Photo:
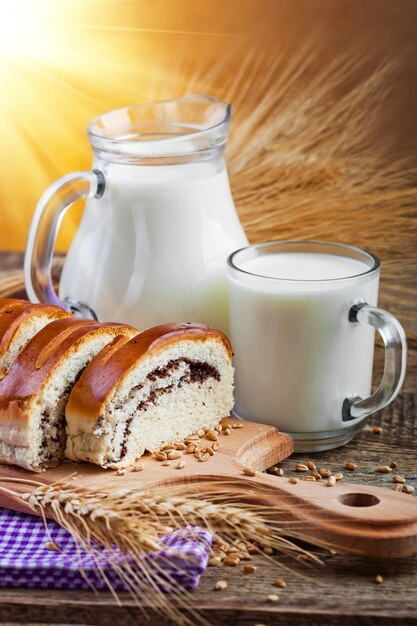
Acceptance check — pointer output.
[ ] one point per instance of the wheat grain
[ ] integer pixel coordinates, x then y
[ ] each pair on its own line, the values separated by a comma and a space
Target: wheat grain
300, 467
174, 455
350, 466
324, 472
249, 568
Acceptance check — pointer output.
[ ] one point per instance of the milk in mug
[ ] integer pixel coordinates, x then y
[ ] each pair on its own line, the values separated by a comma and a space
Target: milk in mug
297, 356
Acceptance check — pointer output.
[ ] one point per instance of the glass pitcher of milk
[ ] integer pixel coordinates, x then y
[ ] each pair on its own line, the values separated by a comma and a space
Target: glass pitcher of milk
158, 224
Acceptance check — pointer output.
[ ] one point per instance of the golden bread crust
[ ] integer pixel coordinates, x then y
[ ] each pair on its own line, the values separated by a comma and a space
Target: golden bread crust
13, 312
42, 353
34, 365
103, 373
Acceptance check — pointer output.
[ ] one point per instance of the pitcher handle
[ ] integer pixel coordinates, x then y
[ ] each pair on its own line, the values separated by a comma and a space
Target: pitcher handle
395, 345
43, 231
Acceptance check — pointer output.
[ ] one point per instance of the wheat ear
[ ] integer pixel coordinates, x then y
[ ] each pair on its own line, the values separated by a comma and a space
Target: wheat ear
134, 522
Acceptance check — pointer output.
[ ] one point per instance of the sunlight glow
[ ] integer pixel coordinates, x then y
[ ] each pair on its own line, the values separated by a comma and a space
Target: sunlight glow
21, 29
63, 62
56, 73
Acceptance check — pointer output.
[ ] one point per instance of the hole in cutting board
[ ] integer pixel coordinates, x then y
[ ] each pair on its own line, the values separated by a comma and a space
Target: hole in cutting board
359, 499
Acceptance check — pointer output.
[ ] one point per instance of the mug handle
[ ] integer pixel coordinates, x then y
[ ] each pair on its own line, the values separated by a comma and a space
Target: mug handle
43, 231
395, 344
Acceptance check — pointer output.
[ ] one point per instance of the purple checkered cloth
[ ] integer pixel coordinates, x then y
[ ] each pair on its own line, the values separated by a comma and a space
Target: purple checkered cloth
26, 562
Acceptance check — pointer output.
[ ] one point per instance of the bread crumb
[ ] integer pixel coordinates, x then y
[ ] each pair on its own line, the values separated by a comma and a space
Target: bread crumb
273, 597
220, 585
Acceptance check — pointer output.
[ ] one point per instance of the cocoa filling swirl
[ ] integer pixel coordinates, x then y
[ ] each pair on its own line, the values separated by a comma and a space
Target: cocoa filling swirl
197, 372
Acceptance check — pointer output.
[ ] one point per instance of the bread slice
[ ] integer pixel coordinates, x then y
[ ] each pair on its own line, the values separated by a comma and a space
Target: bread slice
20, 321
35, 391
157, 388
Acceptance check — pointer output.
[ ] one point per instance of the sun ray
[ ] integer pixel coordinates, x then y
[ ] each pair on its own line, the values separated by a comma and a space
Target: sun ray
153, 31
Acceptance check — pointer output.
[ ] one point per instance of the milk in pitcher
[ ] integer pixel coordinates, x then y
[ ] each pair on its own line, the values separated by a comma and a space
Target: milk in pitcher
154, 247
159, 221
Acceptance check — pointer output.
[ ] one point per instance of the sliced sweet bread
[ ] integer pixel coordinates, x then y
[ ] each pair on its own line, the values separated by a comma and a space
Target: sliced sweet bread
20, 321
35, 391
138, 394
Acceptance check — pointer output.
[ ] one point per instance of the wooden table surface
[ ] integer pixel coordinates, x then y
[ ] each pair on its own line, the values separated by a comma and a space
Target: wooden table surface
342, 592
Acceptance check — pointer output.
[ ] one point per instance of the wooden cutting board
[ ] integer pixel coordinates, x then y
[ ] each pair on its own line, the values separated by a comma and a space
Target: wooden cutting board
371, 521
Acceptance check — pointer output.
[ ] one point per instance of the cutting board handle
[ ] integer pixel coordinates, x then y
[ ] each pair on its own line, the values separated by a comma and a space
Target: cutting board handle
359, 519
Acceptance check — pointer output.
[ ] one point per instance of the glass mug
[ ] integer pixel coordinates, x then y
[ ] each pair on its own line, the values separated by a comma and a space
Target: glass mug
303, 316
159, 221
